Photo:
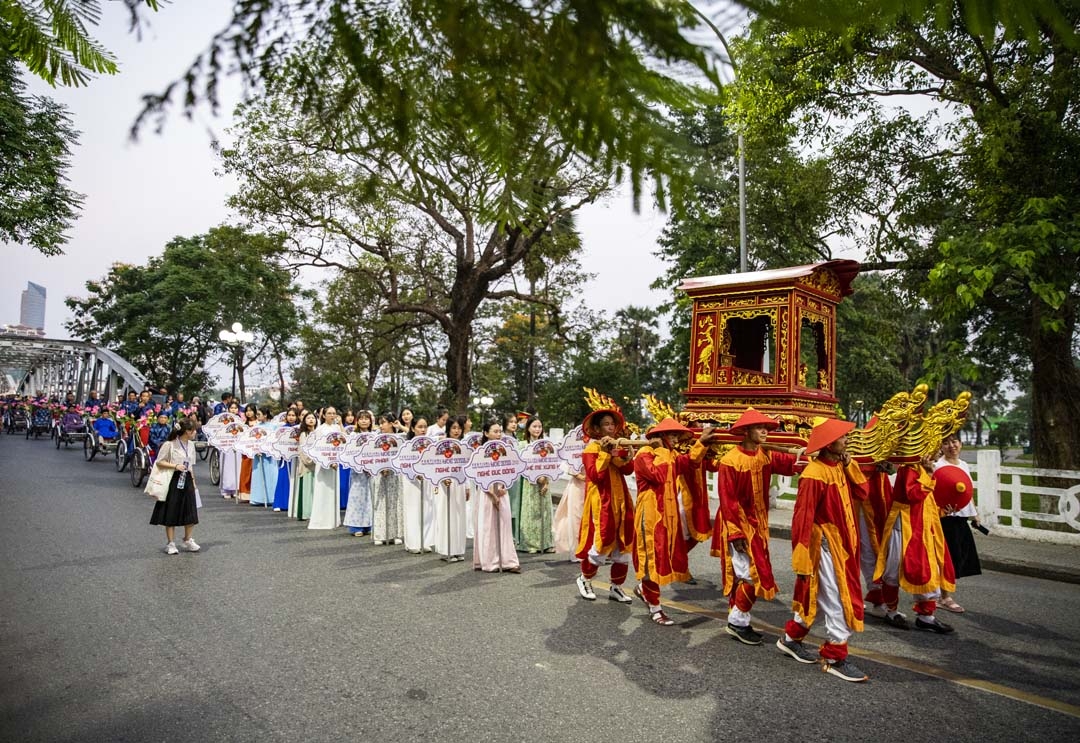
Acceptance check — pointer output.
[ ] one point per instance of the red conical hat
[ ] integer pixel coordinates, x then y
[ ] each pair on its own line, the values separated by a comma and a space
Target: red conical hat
668, 425
826, 432
753, 418
620, 422
952, 486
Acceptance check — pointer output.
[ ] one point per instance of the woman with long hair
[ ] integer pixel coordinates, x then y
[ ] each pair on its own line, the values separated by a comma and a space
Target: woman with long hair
263, 469
243, 491
179, 507
325, 499
345, 472
283, 488
304, 474
535, 532
416, 495
388, 526
493, 546
230, 463
510, 428
358, 513
403, 421
450, 498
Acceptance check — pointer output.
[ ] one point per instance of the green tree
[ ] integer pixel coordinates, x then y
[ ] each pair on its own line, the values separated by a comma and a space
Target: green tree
981, 190
437, 225
36, 136
352, 343
165, 316
52, 38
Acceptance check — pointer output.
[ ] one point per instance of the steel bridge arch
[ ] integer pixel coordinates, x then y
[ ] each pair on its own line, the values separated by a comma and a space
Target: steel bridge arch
29, 365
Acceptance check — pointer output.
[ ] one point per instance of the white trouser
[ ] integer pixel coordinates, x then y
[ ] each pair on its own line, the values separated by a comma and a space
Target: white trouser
891, 576
828, 600
740, 564
617, 555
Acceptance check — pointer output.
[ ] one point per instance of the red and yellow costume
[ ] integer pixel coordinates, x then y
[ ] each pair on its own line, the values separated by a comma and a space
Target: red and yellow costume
872, 507
660, 550
694, 502
825, 527
913, 554
825, 546
743, 486
607, 519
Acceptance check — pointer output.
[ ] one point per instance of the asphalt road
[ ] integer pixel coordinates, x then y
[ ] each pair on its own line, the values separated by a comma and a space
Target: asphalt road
277, 633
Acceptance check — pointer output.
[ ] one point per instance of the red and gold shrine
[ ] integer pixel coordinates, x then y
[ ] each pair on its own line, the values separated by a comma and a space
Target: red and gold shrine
766, 339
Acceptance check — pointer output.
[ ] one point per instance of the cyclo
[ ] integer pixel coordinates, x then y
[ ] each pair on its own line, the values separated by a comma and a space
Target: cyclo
73, 427
103, 437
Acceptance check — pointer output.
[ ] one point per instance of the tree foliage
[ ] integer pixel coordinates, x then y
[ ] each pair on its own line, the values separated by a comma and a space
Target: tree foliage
52, 37
36, 136
165, 317
981, 190
438, 226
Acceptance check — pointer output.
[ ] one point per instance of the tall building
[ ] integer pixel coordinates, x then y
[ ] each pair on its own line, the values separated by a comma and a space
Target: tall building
32, 309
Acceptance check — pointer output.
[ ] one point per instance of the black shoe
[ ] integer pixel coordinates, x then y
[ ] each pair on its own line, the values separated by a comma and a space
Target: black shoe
798, 651
845, 670
746, 635
932, 626
897, 620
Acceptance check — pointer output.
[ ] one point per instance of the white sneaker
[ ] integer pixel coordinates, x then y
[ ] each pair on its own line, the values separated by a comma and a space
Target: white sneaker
878, 610
616, 594
584, 587
189, 545
170, 549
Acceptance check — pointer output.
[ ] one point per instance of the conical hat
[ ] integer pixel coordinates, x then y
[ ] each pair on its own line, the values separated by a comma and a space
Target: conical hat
587, 424
753, 418
668, 425
826, 431
952, 486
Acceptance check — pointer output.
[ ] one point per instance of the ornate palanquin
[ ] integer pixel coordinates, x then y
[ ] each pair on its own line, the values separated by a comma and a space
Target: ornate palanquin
766, 339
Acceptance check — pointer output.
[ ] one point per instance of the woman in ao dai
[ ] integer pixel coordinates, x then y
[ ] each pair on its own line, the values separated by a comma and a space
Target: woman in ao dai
534, 519
389, 522
345, 472
358, 514
263, 468
325, 496
567, 522
493, 545
418, 503
243, 491
283, 488
450, 500
230, 464
304, 474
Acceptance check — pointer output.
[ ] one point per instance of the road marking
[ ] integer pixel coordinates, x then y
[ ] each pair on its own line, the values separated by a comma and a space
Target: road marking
897, 662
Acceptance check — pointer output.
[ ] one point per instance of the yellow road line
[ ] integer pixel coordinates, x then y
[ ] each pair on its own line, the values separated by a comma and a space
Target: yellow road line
898, 662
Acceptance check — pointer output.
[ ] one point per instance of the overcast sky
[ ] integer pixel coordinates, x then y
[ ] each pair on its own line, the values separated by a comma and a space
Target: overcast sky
140, 195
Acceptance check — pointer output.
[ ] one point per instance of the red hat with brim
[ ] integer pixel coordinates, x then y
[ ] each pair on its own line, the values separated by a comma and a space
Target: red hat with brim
587, 424
952, 486
753, 418
668, 425
827, 432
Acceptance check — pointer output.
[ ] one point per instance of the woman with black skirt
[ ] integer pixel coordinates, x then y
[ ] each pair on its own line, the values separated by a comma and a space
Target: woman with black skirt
178, 508
955, 526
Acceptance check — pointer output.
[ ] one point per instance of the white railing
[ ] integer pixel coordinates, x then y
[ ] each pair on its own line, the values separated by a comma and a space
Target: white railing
993, 481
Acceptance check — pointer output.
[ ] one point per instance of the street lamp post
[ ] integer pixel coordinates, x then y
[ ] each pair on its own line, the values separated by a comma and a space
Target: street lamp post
235, 339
